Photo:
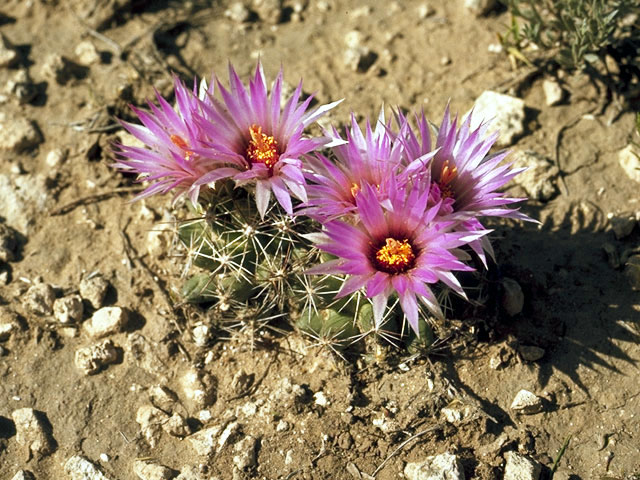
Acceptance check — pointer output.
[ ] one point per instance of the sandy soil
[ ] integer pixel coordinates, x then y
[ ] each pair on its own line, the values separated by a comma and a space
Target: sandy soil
303, 412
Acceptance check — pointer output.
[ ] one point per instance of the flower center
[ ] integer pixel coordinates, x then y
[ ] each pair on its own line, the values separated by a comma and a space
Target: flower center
262, 148
395, 256
180, 142
447, 176
355, 190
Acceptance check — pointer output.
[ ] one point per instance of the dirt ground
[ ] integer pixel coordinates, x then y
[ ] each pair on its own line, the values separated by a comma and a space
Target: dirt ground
295, 411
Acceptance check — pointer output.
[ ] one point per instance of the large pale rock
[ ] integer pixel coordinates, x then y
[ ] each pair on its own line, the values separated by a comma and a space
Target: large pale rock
505, 114
526, 403
151, 471
32, 433
79, 468
199, 387
106, 321
94, 289
8, 52
151, 421
629, 159
519, 467
92, 359
68, 309
439, 467
22, 197
39, 299
553, 92
539, 178
205, 442
23, 475
17, 133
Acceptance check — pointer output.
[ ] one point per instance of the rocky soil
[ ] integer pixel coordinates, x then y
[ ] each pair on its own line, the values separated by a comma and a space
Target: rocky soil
103, 376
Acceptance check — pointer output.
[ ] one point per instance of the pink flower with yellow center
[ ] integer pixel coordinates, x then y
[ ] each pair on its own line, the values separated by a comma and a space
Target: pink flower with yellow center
257, 142
463, 172
402, 249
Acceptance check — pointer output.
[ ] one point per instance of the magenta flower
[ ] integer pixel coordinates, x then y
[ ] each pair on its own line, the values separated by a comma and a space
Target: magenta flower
466, 176
256, 142
402, 249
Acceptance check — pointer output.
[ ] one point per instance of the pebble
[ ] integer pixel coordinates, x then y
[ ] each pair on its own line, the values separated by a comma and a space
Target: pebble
205, 442
94, 289
86, 53
8, 52
151, 471
22, 198
191, 472
56, 67
479, 7
17, 133
632, 271
8, 243
506, 114
269, 11
31, 431
520, 467
526, 403
163, 398
321, 399
539, 178
512, 297
242, 382
39, 299
353, 39
56, 157
92, 359
79, 468
623, 224
201, 335
151, 420
6, 328
199, 387
106, 321
629, 159
424, 10
531, 353
553, 92
246, 453
282, 426
238, 12
21, 87
177, 426
445, 466
23, 475
456, 412
68, 309
359, 59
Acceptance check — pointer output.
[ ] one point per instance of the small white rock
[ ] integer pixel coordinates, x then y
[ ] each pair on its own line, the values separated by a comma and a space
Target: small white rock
91, 359
31, 432
512, 297
8, 323
56, 67
439, 467
353, 39
228, 435
205, 442
246, 453
553, 92
151, 420
359, 59
17, 133
39, 299
282, 426
8, 52
424, 10
79, 468
94, 289
199, 387
106, 321
519, 467
539, 178
177, 426
505, 114
526, 403
629, 159
321, 399
151, 471
237, 12
23, 475
479, 7
68, 309
56, 157
87, 53
456, 412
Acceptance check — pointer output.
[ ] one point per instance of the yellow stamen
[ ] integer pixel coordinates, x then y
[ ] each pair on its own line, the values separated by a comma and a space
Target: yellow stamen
262, 148
395, 256
180, 142
355, 190
446, 177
